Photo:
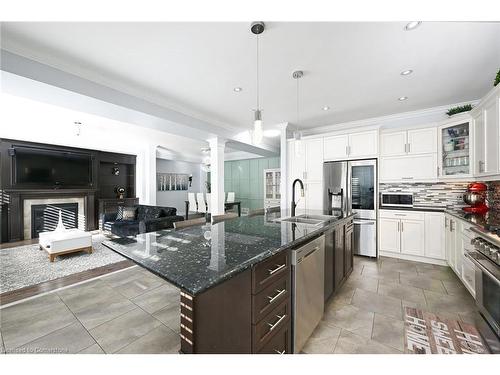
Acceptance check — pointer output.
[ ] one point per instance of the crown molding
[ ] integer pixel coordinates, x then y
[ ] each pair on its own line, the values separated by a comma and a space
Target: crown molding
432, 114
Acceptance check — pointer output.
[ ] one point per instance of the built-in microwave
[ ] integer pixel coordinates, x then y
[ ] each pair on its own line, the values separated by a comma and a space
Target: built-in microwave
396, 199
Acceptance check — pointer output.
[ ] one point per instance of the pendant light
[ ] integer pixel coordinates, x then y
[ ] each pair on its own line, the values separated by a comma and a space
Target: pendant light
257, 28
297, 135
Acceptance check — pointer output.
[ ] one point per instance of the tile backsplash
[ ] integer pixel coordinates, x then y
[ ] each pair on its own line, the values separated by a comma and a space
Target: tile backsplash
442, 194
494, 195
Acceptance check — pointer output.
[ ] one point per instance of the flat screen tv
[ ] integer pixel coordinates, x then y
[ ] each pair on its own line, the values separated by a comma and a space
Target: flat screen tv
50, 168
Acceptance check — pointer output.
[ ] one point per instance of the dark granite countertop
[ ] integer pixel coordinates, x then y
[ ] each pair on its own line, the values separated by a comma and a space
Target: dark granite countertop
489, 222
197, 258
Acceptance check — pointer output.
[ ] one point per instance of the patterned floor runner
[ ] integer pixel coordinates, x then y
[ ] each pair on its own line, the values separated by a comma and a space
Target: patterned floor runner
426, 333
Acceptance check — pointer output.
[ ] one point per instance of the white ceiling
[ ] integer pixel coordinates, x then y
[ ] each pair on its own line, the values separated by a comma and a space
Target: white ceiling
351, 67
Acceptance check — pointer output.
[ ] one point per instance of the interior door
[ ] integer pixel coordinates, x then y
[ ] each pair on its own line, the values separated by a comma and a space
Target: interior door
390, 239
412, 235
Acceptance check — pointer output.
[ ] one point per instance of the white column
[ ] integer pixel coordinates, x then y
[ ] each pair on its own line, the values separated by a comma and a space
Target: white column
284, 166
217, 198
150, 175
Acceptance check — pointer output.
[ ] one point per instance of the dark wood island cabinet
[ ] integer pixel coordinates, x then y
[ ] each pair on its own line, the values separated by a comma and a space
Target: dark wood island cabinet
235, 279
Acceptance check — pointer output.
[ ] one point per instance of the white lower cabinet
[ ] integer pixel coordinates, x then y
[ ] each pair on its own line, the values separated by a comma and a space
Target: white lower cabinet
412, 234
458, 238
412, 237
434, 235
389, 237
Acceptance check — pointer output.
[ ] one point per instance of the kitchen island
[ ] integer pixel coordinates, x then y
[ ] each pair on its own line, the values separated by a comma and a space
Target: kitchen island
234, 277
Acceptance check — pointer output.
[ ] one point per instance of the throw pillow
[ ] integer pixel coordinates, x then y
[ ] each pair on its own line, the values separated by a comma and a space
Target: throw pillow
128, 213
119, 213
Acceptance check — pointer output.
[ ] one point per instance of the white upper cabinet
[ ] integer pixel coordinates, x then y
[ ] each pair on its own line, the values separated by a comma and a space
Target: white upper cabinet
296, 160
408, 168
422, 141
455, 140
393, 144
351, 146
363, 144
408, 142
486, 142
336, 147
314, 159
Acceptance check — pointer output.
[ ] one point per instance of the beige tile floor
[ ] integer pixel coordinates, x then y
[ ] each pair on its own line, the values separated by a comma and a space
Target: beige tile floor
366, 316
133, 311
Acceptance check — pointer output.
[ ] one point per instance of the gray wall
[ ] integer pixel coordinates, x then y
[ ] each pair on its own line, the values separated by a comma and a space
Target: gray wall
176, 198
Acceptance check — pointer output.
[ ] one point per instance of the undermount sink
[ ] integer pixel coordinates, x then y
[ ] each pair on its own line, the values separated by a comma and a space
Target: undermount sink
308, 219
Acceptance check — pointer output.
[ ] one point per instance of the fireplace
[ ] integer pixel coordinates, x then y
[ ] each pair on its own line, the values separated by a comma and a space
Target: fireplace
42, 214
44, 217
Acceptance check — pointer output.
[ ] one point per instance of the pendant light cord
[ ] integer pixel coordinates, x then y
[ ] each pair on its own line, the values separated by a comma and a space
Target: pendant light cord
297, 104
258, 104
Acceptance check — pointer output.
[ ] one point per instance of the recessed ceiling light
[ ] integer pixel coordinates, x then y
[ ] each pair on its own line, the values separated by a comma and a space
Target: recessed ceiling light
326, 108
402, 98
412, 25
237, 89
271, 133
406, 72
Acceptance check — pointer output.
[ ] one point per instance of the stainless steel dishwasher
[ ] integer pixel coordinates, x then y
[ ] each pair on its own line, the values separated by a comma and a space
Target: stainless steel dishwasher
308, 283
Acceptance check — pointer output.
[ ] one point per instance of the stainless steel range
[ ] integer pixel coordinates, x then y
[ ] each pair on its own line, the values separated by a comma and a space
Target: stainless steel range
486, 258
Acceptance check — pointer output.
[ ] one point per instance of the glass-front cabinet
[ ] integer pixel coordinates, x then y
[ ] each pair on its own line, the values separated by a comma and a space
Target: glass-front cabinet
455, 149
272, 182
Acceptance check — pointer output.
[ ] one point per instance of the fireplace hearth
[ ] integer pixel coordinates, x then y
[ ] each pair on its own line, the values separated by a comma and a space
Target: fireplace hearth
44, 217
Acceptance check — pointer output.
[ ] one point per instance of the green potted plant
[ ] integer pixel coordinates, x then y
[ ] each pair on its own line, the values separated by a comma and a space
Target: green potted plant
497, 79
459, 109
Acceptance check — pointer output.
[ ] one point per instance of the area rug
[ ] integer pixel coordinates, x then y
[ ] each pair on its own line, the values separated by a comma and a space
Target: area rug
28, 265
426, 333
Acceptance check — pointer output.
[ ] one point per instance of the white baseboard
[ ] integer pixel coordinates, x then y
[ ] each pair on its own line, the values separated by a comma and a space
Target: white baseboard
414, 258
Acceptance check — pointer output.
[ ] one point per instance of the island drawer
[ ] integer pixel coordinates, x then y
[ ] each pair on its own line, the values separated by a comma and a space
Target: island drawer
270, 270
270, 297
280, 343
266, 329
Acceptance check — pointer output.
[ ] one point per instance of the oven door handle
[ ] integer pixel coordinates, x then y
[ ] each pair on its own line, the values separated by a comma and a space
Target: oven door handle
483, 268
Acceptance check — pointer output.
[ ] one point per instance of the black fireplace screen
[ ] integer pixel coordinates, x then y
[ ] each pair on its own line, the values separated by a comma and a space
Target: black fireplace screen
44, 217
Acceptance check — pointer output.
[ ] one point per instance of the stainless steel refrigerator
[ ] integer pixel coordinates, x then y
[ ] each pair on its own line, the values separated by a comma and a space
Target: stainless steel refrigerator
351, 187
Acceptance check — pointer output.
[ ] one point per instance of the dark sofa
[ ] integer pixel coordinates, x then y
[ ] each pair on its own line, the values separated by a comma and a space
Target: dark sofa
146, 219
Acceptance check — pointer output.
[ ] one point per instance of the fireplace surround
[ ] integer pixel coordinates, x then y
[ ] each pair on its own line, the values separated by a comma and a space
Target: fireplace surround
16, 197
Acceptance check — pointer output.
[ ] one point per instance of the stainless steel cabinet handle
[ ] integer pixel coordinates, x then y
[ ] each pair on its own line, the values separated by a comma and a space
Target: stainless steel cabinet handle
402, 230
409, 147
280, 351
407, 178
278, 268
276, 296
347, 150
274, 325
398, 226
399, 214
364, 222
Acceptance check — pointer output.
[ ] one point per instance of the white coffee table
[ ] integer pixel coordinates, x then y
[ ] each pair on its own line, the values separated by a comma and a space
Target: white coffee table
65, 242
